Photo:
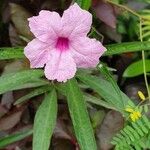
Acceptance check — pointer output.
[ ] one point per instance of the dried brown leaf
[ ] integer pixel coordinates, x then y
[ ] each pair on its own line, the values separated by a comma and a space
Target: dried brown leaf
112, 123
106, 13
19, 16
61, 131
7, 99
3, 110
8, 122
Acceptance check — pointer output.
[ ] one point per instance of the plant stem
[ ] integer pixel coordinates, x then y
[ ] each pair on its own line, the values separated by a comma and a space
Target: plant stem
123, 7
127, 9
141, 18
143, 59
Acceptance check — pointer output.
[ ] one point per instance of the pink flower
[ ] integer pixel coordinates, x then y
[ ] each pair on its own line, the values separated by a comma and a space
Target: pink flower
61, 43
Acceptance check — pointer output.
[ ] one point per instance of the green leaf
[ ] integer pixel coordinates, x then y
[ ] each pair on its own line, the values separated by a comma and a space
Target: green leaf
31, 84
11, 80
14, 138
11, 53
32, 94
136, 68
84, 4
105, 90
114, 49
109, 77
44, 123
88, 98
79, 116
98, 101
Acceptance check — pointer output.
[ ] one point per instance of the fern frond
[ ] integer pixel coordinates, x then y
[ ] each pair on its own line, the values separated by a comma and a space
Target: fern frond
145, 24
131, 136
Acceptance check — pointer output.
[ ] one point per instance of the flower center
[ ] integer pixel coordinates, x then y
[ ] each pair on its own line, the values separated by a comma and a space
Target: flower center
62, 43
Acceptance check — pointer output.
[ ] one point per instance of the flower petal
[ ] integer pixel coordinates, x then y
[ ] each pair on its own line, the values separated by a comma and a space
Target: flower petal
76, 22
86, 52
37, 52
46, 25
60, 67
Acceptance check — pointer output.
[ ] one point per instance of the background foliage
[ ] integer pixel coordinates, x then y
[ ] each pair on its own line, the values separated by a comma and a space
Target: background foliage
90, 110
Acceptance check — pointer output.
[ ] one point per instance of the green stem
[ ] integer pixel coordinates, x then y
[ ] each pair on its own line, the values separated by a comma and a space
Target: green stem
128, 9
124, 7
141, 18
143, 59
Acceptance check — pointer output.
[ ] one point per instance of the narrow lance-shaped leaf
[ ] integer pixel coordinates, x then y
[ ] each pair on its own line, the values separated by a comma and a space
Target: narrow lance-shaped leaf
105, 90
98, 101
44, 123
127, 47
14, 138
32, 94
11, 80
88, 98
109, 77
79, 116
31, 84
136, 68
112, 49
11, 53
